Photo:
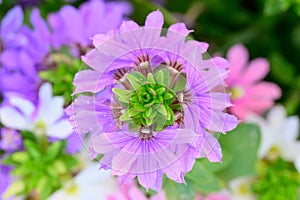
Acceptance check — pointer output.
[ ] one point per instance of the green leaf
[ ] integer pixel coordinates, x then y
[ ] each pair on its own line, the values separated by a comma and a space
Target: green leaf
178, 191
20, 156
60, 167
217, 166
242, 143
55, 149
51, 171
120, 92
139, 107
150, 78
8, 161
126, 116
136, 79
44, 187
202, 179
179, 83
273, 7
26, 168
68, 160
163, 77
162, 109
33, 149
14, 189
282, 70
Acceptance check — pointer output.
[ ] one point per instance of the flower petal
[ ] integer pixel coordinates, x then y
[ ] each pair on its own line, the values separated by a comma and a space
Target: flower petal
60, 130
24, 105
179, 28
256, 70
154, 19
238, 57
12, 21
11, 118
50, 109
91, 81
211, 148
290, 129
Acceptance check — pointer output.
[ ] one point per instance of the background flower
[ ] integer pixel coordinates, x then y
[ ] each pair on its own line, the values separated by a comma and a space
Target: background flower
45, 118
74, 27
249, 93
23, 52
279, 135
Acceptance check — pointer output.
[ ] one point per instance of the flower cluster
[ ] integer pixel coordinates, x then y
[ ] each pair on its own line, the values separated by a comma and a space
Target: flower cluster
149, 106
155, 99
35, 133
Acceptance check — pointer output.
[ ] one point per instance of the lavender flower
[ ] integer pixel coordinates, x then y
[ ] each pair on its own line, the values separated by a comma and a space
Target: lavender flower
45, 118
5, 178
73, 28
22, 52
10, 140
155, 99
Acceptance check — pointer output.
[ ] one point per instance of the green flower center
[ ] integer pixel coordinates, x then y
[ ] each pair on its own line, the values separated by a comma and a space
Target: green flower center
151, 103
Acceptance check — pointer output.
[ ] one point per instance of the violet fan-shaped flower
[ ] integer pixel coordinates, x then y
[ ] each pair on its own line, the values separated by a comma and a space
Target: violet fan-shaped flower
155, 102
22, 54
73, 27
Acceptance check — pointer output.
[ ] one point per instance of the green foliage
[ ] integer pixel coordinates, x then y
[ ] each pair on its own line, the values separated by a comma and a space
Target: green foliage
242, 144
61, 78
43, 168
273, 7
178, 191
203, 179
277, 180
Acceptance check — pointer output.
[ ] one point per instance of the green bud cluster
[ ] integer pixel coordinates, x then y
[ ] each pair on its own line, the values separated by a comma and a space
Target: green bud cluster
150, 103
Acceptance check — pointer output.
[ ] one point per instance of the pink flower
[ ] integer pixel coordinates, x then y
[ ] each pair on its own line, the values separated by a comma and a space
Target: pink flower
130, 191
249, 93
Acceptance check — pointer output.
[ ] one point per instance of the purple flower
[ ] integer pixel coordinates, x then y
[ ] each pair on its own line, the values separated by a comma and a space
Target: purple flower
11, 140
155, 100
23, 52
73, 28
4, 178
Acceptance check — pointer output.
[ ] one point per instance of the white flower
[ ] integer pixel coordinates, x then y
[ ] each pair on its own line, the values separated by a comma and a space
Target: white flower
44, 118
89, 184
279, 135
241, 189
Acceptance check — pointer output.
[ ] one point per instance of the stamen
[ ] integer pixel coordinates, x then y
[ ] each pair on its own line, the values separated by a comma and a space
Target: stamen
146, 133
179, 119
117, 111
120, 76
187, 96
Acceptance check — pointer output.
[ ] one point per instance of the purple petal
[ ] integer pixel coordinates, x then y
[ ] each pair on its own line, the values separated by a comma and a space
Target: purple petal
179, 28
74, 143
12, 21
147, 180
211, 148
91, 81
154, 19
128, 26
